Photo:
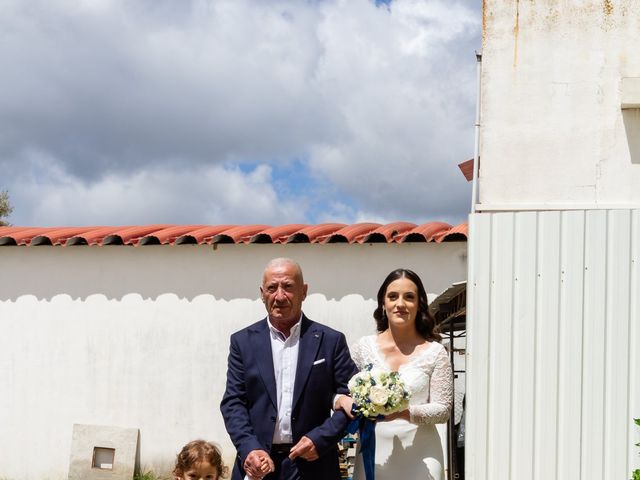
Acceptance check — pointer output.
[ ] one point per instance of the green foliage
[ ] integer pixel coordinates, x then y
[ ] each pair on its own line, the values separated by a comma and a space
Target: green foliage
148, 475
5, 207
636, 473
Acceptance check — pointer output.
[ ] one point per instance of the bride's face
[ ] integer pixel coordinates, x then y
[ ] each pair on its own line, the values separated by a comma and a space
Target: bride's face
401, 302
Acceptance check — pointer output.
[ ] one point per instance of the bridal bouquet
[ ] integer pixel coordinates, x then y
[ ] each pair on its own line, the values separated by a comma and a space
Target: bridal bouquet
376, 392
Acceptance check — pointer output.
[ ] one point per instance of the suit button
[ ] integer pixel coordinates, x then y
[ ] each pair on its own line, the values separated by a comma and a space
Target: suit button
273, 419
293, 419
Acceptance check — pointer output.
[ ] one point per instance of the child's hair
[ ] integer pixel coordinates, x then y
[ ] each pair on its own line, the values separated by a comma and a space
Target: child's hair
199, 451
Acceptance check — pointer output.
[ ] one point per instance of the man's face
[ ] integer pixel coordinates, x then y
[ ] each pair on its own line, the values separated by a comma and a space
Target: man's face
282, 292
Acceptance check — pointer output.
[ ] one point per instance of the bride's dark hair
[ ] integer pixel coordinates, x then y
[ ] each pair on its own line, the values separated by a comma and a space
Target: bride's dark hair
425, 323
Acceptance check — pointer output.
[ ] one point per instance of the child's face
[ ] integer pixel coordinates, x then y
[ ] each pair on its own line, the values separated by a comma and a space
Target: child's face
201, 471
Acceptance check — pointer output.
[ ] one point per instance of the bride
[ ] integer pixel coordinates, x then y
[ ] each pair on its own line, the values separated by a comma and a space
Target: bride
407, 442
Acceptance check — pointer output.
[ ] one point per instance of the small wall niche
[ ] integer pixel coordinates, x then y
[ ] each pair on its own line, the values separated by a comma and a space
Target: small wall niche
101, 452
103, 458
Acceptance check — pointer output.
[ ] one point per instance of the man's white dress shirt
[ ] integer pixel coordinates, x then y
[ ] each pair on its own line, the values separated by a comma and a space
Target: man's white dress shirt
285, 363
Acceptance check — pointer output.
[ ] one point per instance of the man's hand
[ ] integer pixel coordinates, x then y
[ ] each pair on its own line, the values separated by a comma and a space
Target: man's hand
258, 463
344, 403
304, 449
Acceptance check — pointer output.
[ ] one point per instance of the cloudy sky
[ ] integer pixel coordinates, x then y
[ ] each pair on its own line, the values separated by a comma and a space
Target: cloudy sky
115, 112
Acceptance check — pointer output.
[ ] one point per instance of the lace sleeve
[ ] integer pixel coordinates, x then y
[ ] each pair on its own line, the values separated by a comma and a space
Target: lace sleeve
358, 354
440, 392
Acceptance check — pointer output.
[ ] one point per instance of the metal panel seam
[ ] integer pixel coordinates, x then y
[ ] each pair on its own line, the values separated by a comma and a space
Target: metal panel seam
513, 289
489, 317
536, 346
559, 337
607, 282
584, 250
633, 333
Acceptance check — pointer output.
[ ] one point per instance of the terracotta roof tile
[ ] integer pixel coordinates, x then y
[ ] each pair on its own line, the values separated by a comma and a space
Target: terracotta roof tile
131, 235
389, 232
21, 235
91, 236
58, 236
314, 233
162, 234
168, 235
425, 232
202, 235
351, 233
276, 234
466, 168
238, 234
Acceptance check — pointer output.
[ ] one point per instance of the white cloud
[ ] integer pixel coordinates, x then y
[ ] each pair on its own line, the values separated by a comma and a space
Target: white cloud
408, 108
205, 194
117, 95
226, 79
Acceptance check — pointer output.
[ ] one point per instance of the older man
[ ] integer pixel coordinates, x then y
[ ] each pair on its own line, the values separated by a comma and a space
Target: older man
282, 375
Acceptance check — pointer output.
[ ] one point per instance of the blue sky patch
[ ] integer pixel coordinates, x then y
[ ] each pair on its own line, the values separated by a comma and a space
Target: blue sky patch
292, 180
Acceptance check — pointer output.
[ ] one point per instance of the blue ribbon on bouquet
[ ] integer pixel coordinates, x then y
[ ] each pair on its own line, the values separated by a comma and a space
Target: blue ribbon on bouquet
366, 429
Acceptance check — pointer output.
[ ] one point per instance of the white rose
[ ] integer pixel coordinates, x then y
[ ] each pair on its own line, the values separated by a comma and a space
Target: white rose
352, 384
378, 395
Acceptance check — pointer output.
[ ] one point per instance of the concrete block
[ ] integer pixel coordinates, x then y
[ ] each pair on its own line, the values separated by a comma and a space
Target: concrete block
630, 92
102, 453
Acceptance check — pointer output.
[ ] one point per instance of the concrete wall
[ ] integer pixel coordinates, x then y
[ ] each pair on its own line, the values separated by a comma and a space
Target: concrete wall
553, 132
138, 337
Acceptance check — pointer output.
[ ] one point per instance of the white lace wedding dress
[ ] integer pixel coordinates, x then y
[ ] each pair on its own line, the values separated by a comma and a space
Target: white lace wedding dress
411, 450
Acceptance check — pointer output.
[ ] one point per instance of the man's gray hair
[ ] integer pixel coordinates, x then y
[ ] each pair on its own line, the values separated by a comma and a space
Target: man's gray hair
276, 262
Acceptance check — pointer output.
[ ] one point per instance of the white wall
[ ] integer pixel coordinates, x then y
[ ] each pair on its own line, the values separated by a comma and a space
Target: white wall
138, 336
553, 132
553, 379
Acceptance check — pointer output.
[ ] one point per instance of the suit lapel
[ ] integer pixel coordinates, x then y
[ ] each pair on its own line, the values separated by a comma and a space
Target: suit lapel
310, 339
261, 341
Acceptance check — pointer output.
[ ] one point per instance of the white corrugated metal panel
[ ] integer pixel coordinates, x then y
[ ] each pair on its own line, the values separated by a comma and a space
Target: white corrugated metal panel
553, 345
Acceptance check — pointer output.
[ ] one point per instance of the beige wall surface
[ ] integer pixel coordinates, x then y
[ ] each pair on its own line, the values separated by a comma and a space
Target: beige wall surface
137, 337
554, 77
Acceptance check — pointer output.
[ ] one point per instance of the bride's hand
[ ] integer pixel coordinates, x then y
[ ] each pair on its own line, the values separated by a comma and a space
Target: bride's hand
345, 403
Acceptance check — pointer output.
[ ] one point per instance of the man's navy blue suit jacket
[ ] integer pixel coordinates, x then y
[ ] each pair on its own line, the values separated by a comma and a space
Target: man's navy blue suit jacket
249, 404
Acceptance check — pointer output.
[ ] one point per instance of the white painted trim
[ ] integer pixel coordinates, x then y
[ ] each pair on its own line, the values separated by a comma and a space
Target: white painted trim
516, 207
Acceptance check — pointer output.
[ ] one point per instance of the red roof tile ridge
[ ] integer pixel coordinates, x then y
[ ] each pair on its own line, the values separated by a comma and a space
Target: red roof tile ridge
205, 233
280, 234
4, 229
242, 233
427, 230
171, 233
461, 229
318, 233
60, 235
132, 235
323, 227
364, 232
391, 230
357, 231
93, 236
27, 234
